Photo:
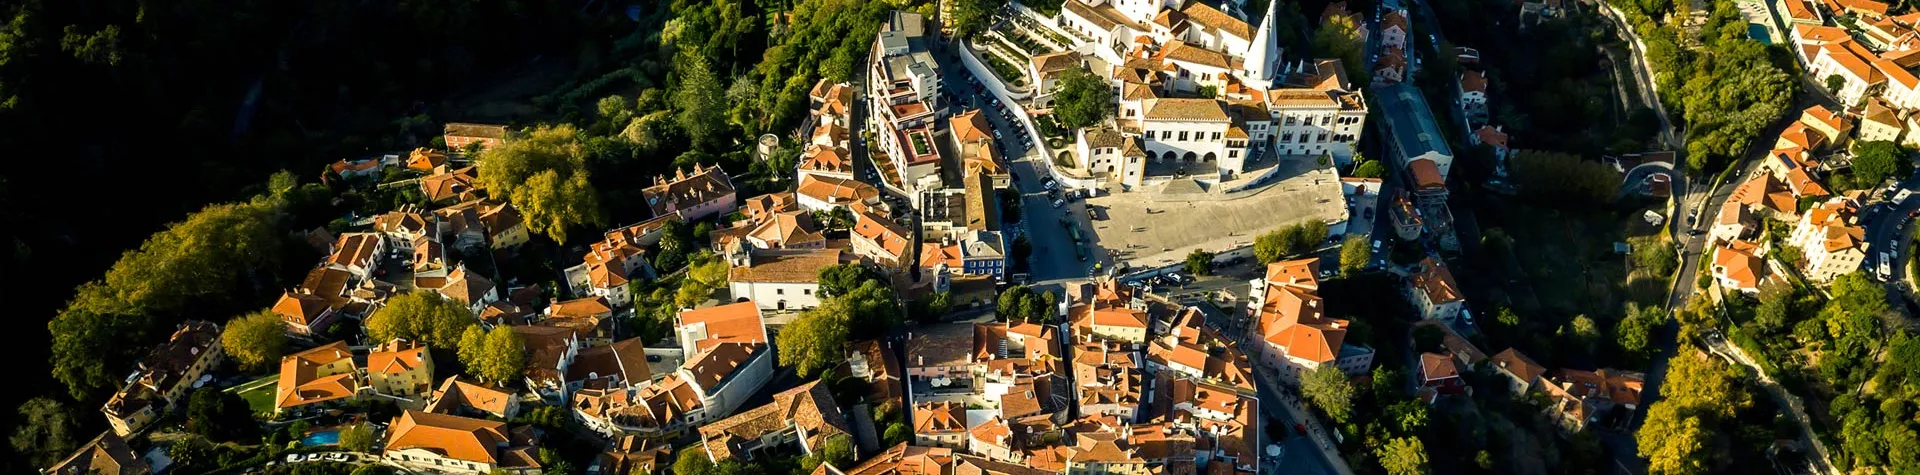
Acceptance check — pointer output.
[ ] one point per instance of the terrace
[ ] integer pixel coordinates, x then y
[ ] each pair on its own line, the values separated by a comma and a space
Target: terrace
920, 144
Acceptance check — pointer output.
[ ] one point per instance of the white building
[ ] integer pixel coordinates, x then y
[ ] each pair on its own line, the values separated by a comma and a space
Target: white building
1435, 293
779, 279
1830, 241
725, 375
1193, 130
1322, 115
903, 94
1107, 152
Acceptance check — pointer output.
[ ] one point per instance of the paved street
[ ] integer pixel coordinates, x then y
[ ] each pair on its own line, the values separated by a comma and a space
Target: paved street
1887, 224
1053, 249
1312, 454
1301, 455
1620, 444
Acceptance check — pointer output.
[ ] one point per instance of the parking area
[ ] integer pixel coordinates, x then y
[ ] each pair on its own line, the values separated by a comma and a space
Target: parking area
664, 361
328, 457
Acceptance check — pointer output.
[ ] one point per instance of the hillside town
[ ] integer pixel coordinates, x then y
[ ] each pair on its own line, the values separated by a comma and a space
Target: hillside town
1069, 237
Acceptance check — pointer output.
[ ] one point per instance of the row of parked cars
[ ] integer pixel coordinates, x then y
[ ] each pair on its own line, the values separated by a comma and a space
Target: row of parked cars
319, 457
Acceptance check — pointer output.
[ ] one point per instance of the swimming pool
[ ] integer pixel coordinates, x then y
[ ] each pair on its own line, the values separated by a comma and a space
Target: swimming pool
325, 437
1759, 33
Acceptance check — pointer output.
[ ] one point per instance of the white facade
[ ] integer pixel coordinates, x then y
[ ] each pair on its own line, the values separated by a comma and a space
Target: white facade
778, 295
1830, 245
1316, 130
431, 461
1112, 153
747, 379
1193, 141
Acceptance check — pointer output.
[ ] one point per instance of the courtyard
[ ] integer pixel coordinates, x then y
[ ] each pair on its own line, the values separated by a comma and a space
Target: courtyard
1159, 224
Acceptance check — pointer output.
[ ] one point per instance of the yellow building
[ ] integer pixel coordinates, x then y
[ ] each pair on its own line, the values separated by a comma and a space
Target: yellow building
1114, 314
401, 369
165, 376
317, 378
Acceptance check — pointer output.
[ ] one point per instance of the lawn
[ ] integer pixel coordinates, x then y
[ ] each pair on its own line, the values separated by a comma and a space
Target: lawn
258, 393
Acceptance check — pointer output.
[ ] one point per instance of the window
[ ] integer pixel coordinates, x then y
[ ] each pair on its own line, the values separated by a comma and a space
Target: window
1129, 112
779, 291
1286, 138
1216, 136
1323, 137
1134, 160
1233, 154
1183, 136
1289, 121
1326, 120
1166, 134
806, 291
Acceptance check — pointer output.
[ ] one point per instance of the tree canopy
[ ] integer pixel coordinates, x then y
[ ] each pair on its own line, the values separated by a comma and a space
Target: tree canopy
1874, 162
1199, 262
544, 173
216, 258
420, 316
220, 416
1564, 178
972, 16
1677, 437
1370, 169
1339, 37
1354, 255
501, 356
698, 102
1083, 100
1022, 303
1403, 456
46, 431
1291, 240
816, 339
255, 341
1329, 389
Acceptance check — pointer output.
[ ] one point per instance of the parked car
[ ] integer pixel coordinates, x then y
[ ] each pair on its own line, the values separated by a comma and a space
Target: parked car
336, 457
1050, 184
1058, 203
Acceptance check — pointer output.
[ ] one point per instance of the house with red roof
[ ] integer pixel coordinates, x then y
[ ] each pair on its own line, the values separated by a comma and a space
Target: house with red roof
1522, 373
1293, 332
401, 369
428, 442
1439, 372
1830, 239
1435, 293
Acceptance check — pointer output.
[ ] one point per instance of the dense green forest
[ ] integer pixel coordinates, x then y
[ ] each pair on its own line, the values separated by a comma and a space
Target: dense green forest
124, 116
121, 115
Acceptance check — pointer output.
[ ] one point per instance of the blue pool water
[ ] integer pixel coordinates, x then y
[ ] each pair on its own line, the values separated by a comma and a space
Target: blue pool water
325, 437
1759, 33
